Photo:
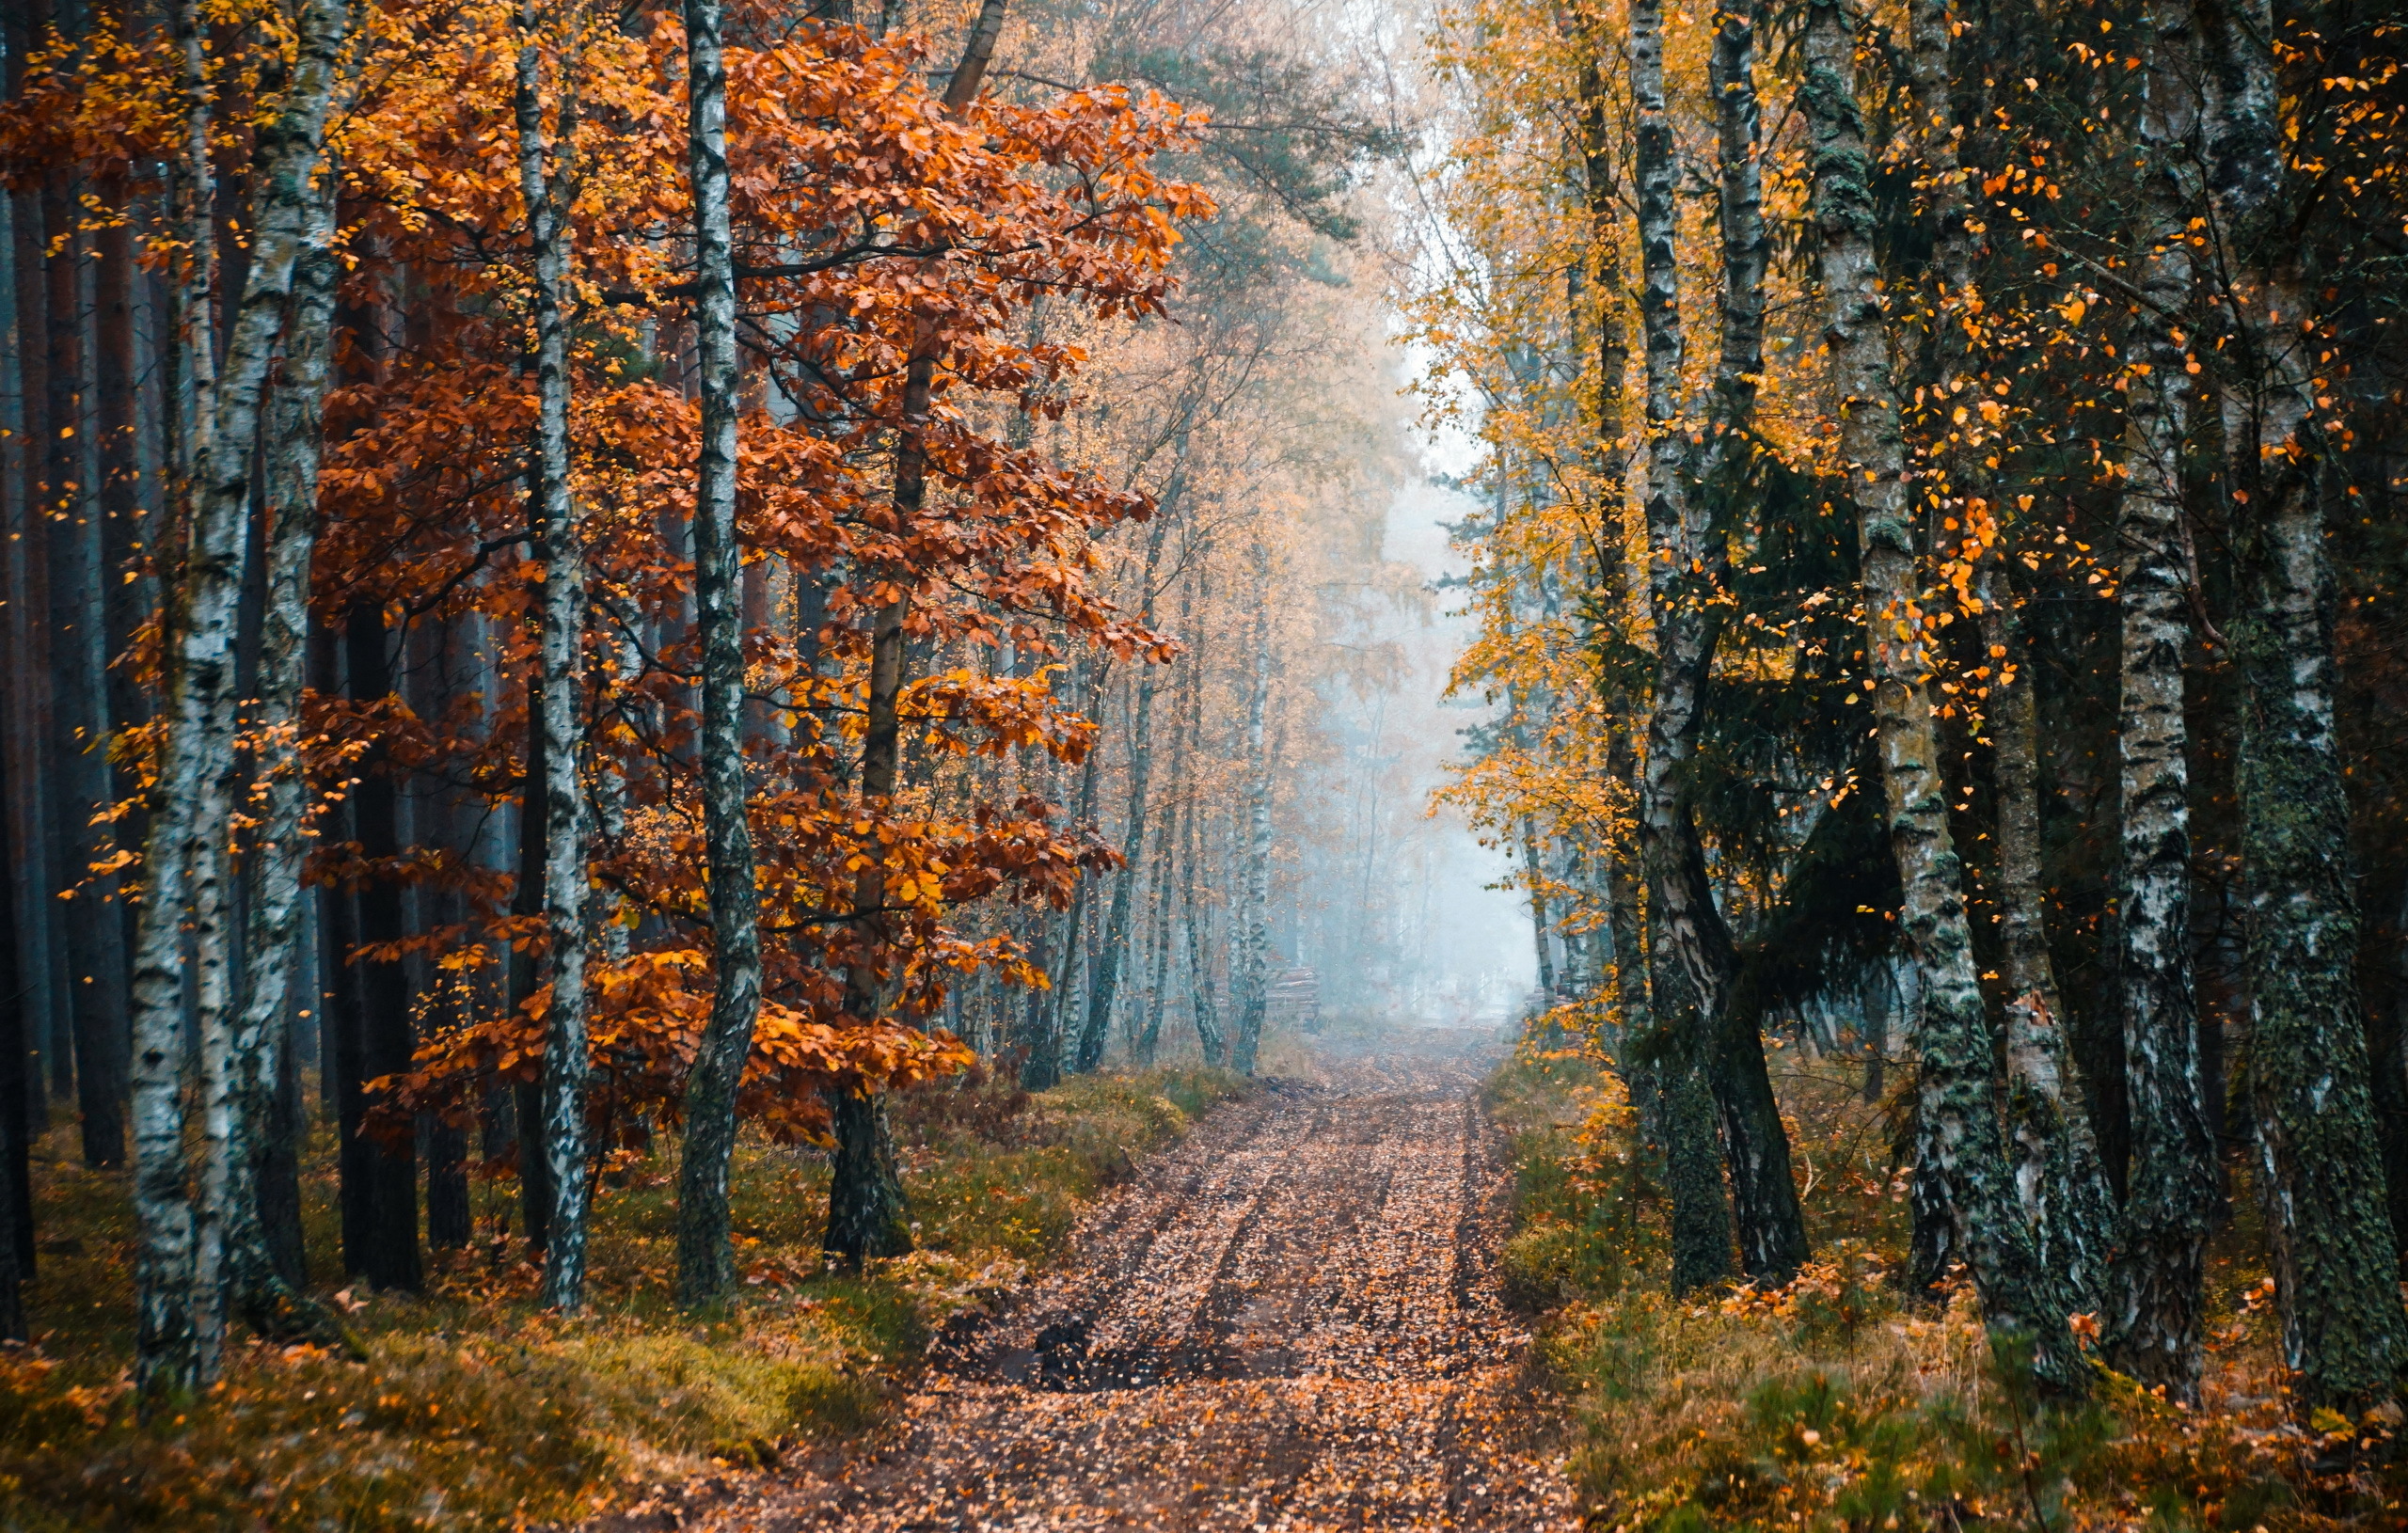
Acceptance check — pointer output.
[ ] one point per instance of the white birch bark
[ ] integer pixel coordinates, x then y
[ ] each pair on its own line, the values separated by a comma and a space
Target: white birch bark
179, 1268
706, 1263
1960, 1118
271, 947
560, 545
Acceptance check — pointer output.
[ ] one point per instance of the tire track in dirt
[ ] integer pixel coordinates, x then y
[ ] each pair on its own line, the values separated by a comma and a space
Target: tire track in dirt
1290, 1321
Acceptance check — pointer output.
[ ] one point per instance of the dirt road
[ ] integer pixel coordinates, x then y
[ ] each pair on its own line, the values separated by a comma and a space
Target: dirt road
1290, 1321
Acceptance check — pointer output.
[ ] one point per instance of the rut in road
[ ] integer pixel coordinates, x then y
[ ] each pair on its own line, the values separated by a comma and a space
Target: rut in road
1290, 1321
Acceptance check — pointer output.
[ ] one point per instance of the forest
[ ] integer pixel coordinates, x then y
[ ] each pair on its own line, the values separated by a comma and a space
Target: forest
1481, 765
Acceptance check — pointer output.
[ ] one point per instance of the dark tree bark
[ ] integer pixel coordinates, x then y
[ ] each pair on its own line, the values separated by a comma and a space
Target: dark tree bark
389, 1253
88, 1003
13, 1060
2329, 1228
866, 1212
27, 722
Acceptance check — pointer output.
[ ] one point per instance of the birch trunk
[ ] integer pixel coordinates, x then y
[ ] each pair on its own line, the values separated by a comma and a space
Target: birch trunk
2060, 1179
1959, 1117
1163, 887
559, 546
1612, 467
2321, 1175
706, 1263
1253, 981
1755, 1143
1116, 923
178, 1268
257, 1289
2170, 1193
529, 899
1685, 983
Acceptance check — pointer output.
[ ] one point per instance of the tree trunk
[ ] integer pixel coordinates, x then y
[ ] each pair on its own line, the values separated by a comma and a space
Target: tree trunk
561, 548
2321, 1160
259, 1287
178, 1268
127, 530
27, 719
1116, 925
13, 1059
866, 1214
706, 1263
1685, 983
388, 1251
1253, 980
1954, 1092
2329, 1228
87, 955
2059, 1177
2170, 1192
527, 900
1542, 923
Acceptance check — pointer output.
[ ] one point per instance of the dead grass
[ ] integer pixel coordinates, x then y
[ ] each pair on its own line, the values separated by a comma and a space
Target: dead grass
478, 1410
1830, 1404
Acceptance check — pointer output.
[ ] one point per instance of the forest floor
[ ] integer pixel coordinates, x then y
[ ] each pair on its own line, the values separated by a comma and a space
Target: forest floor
1834, 1404
475, 1408
1294, 1319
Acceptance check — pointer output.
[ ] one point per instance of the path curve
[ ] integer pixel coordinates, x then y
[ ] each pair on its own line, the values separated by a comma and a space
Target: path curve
1290, 1321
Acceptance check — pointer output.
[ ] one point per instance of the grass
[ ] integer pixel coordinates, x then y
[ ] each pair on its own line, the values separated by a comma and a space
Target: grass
477, 1409
1830, 1404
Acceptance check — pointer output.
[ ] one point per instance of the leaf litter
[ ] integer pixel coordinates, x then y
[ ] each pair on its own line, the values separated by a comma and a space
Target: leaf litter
1292, 1321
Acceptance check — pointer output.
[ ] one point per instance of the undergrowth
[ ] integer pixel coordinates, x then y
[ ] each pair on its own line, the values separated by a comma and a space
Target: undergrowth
1834, 1404
477, 1409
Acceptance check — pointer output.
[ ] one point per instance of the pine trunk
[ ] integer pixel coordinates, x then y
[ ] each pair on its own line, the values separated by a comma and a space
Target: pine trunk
127, 530
1955, 1095
26, 718
560, 547
706, 1263
89, 956
389, 1253
13, 1060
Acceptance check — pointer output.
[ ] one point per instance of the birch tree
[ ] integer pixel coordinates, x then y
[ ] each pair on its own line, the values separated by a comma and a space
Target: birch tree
1953, 1036
181, 1247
